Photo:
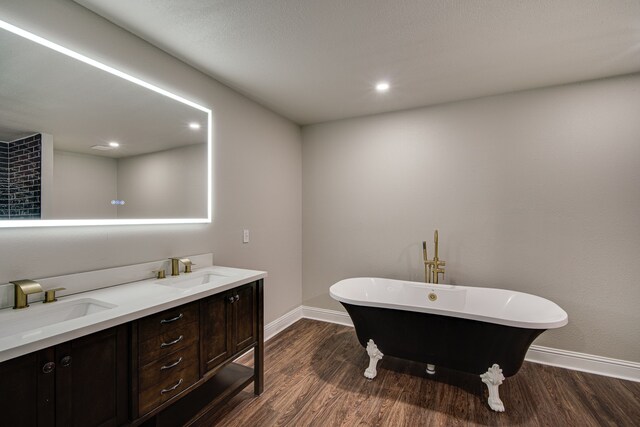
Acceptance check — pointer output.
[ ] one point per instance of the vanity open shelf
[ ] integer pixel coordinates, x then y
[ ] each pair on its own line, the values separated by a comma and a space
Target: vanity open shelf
214, 392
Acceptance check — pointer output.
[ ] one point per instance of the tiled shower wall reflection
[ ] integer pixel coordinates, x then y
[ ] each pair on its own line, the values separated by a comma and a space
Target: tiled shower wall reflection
20, 178
4, 180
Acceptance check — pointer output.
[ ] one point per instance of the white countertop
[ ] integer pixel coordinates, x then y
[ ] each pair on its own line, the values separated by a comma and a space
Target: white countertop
118, 304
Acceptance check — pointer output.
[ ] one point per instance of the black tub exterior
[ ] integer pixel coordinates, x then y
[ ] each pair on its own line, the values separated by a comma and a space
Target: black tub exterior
461, 344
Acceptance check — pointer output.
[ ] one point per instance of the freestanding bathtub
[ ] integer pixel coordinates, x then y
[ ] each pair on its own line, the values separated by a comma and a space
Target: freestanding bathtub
482, 331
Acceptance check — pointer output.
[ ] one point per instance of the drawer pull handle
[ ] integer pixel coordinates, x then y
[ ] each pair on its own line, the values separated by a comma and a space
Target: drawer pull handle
167, 390
170, 343
173, 365
178, 317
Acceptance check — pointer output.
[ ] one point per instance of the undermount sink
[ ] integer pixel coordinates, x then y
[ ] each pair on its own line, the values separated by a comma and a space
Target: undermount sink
29, 321
192, 280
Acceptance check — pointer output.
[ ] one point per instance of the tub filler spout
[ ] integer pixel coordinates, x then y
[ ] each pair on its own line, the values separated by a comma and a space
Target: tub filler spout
435, 267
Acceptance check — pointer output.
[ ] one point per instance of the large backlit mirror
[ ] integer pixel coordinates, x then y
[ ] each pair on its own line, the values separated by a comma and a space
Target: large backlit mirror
84, 144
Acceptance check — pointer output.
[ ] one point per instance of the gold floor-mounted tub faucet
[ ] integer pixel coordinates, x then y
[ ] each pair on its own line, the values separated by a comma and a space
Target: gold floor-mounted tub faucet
432, 268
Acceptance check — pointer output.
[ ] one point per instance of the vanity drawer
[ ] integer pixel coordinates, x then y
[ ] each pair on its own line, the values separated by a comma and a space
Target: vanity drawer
162, 370
166, 321
159, 346
156, 389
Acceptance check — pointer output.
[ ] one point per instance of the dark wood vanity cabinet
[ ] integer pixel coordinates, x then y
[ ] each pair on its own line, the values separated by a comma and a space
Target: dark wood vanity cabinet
27, 394
168, 369
83, 382
228, 325
92, 379
216, 314
245, 311
201, 339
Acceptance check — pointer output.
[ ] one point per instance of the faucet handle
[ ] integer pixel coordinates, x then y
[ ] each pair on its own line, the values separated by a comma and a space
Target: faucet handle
187, 264
50, 295
160, 273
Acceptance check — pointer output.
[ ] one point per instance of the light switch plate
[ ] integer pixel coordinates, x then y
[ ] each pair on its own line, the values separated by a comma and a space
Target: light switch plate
245, 236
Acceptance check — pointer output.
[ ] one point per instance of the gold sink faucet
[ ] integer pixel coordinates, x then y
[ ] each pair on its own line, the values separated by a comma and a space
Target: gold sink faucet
435, 267
175, 265
23, 288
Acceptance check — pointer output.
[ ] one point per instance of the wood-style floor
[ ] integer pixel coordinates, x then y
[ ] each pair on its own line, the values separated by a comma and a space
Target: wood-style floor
314, 377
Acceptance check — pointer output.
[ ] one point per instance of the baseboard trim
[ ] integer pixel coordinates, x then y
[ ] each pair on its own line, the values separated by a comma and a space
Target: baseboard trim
590, 363
573, 360
324, 315
282, 322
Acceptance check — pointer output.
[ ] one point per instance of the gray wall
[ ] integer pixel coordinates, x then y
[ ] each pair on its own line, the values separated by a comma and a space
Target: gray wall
164, 184
83, 186
256, 178
536, 191
46, 193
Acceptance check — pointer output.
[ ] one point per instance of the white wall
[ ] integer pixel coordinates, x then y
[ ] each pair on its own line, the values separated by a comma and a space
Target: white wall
164, 184
536, 191
256, 179
83, 186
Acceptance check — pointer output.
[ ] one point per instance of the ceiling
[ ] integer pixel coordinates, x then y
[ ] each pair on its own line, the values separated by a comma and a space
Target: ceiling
318, 60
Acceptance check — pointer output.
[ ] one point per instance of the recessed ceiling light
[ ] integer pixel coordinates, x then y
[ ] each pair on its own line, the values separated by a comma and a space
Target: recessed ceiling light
382, 86
102, 148
114, 144
194, 125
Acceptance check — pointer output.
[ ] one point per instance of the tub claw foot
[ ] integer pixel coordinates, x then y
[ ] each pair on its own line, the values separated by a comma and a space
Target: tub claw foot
493, 378
374, 356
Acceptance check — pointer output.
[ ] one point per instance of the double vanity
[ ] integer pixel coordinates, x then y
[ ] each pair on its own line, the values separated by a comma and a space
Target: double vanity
156, 352
113, 347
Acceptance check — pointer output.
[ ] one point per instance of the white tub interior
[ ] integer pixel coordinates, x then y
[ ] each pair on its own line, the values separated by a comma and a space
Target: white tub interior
498, 306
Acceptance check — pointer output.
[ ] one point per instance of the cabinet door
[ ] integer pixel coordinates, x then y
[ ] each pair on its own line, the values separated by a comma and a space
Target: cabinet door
215, 331
92, 379
244, 317
27, 390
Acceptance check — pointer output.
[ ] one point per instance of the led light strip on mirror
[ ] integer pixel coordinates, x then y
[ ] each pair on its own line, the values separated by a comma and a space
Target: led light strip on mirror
96, 64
